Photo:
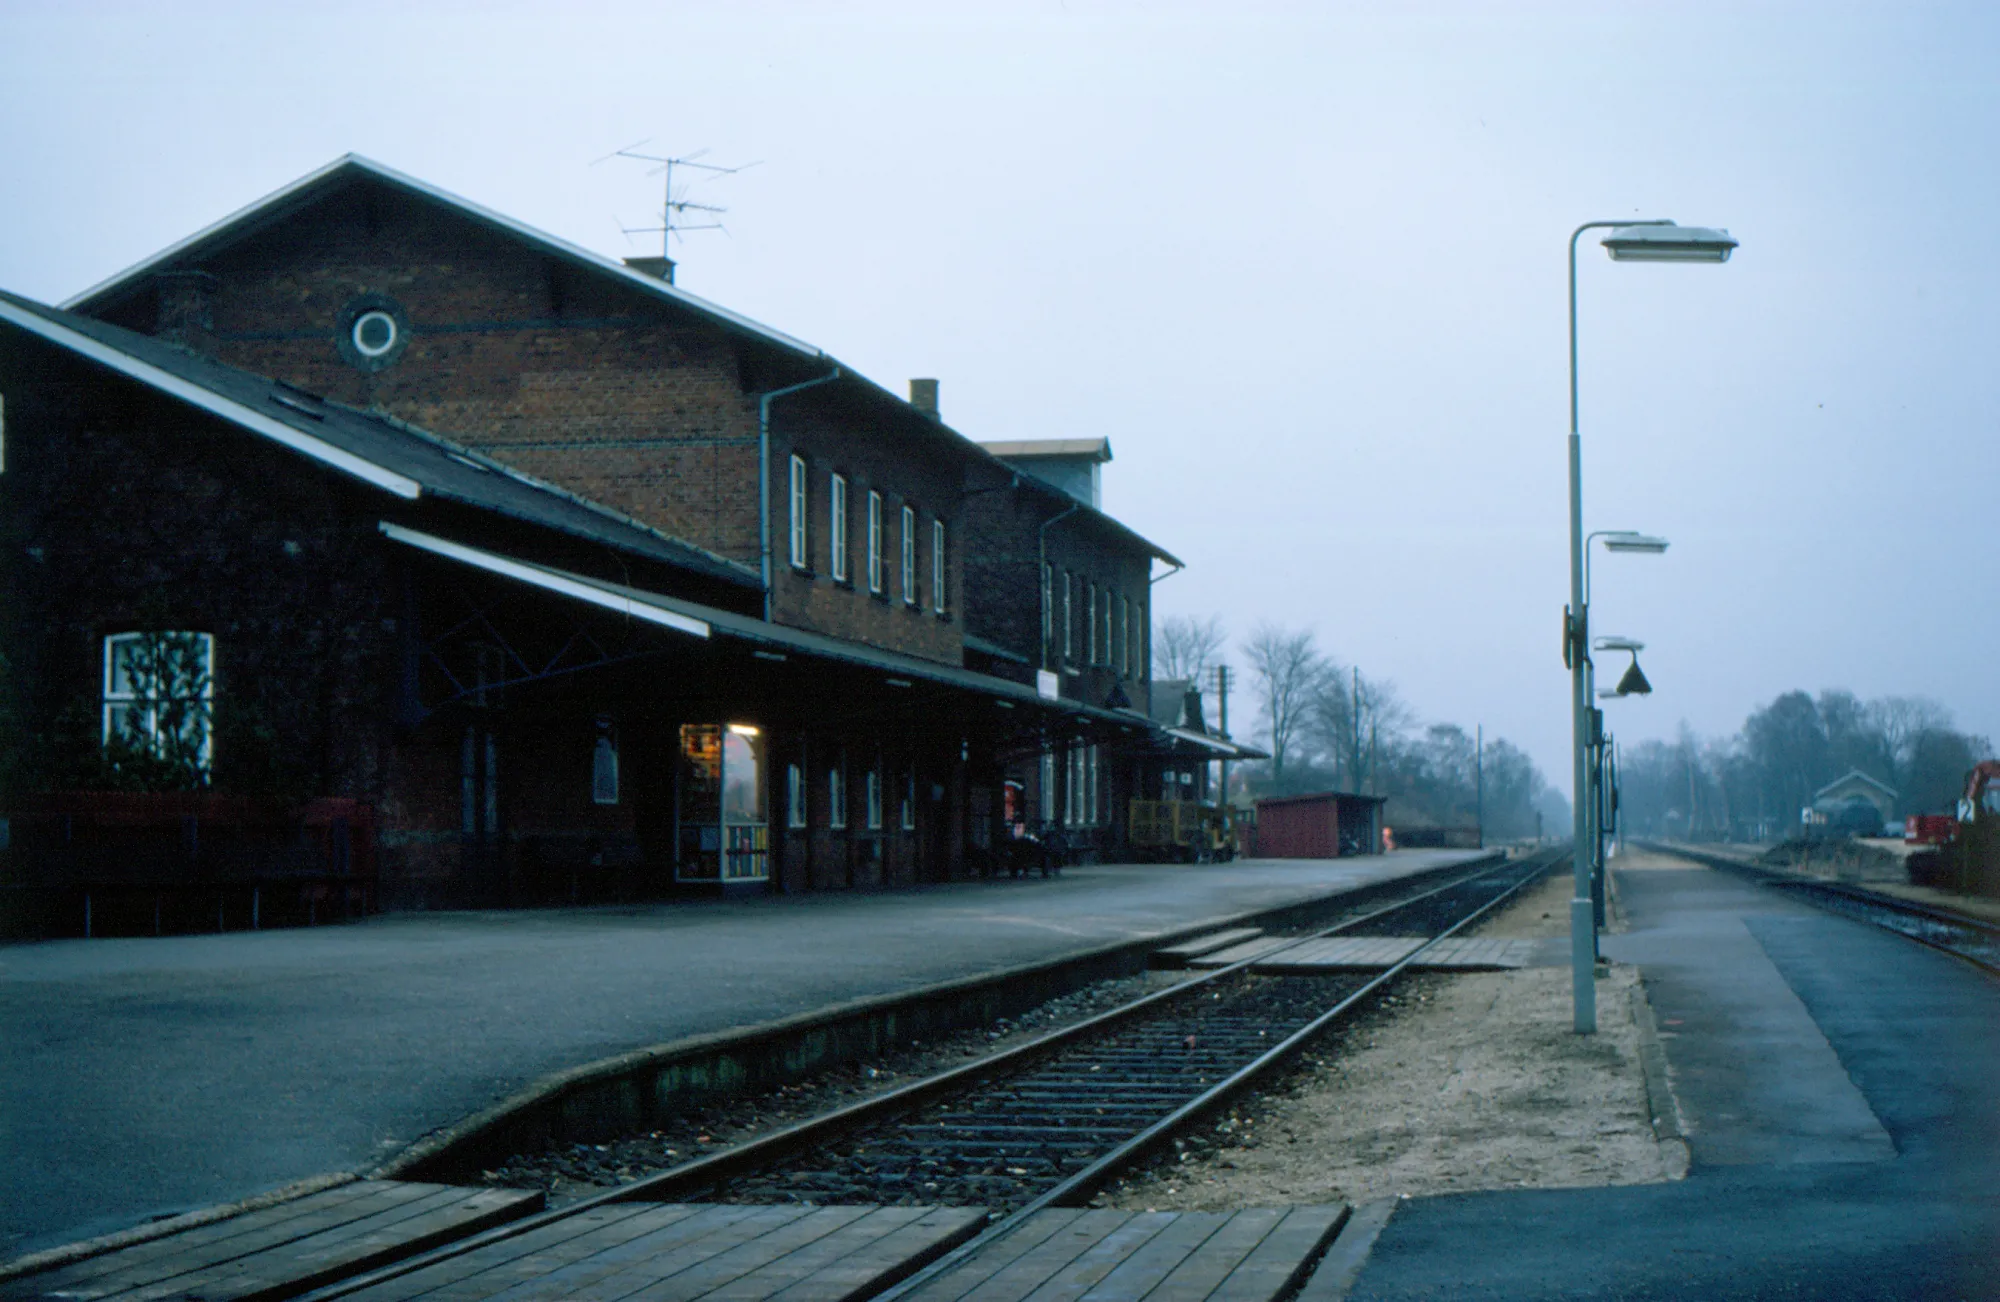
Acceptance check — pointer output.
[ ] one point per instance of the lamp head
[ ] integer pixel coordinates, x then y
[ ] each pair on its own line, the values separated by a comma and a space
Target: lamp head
1634, 682
1669, 243
1642, 543
1620, 644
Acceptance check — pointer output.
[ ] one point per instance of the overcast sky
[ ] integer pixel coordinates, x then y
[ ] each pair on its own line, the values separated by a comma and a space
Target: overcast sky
1304, 265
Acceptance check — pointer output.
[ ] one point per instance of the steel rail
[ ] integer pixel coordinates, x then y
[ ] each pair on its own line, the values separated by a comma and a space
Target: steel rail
1082, 1185
706, 1173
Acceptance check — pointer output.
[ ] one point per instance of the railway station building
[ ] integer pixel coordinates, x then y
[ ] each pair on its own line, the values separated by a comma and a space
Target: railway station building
457, 565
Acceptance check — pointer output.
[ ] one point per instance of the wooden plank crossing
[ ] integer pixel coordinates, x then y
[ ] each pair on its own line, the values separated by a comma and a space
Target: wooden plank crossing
1237, 953
792, 1252
283, 1250
1073, 1255
1350, 953
1178, 956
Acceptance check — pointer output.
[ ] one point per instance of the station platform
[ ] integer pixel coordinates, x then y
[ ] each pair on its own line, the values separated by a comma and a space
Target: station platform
145, 1078
1839, 1091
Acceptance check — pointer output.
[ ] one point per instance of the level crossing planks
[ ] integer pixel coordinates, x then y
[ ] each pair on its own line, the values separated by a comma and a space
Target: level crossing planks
1064, 1255
1364, 953
1178, 956
285, 1249
792, 1252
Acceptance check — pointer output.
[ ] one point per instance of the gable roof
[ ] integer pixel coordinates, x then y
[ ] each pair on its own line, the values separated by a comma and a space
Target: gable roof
1851, 777
351, 169
386, 454
348, 168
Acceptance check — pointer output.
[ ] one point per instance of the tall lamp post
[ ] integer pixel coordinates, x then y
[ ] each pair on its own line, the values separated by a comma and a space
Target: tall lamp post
1627, 241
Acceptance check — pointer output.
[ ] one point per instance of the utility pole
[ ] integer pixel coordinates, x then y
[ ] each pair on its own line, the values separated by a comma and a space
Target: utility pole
1222, 724
1479, 783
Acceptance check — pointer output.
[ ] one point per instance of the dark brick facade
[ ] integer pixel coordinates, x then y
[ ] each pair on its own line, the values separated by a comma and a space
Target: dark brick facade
571, 375
350, 653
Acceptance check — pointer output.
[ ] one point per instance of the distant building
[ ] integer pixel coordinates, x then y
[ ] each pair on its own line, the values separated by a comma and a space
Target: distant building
1843, 794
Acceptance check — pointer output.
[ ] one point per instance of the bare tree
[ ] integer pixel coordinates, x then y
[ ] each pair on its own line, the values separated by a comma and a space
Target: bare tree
1901, 720
1357, 720
1187, 647
1288, 666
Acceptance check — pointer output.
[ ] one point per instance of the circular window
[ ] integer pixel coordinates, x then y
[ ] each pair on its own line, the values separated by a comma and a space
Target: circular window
374, 333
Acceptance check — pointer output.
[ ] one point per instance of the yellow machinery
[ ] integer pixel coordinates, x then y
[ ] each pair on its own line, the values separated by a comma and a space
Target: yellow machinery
1181, 830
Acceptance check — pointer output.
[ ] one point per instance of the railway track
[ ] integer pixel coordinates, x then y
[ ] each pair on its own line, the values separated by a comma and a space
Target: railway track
1975, 940
1048, 1123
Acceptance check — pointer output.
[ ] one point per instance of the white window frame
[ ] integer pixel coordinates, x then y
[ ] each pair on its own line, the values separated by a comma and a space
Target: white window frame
1108, 652
1048, 607
874, 792
836, 797
801, 502
795, 795
910, 801
910, 597
1069, 623
1090, 624
1093, 774
118, 699
837, 528
1047, 796
937, 566
874, 542
1124, 638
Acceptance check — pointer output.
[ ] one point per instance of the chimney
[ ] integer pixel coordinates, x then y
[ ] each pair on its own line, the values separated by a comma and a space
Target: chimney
184, 315
655, 266
924, 397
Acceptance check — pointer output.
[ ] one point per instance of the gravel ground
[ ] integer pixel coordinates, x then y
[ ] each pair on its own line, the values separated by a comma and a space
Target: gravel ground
572, 1171
1456, 1082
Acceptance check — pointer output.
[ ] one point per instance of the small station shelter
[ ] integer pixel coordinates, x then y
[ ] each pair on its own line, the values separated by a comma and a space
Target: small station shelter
1324, 825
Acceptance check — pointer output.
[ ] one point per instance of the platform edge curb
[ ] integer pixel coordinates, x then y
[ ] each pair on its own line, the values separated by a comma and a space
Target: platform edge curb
555, 1086
34, 1263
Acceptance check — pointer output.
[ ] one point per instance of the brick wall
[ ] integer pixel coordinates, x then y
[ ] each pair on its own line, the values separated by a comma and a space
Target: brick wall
1003, 581
573, 376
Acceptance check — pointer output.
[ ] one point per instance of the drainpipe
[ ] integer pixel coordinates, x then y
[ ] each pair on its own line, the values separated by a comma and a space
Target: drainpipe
764, 402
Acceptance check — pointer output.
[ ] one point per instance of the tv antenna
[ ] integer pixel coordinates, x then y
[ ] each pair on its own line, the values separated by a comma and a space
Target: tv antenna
678, 213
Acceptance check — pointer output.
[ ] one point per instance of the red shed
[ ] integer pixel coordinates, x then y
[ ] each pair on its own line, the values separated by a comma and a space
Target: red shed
1326, 825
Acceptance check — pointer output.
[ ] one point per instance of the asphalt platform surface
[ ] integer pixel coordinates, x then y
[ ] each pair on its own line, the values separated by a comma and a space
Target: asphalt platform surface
144, 1078
1840, 1093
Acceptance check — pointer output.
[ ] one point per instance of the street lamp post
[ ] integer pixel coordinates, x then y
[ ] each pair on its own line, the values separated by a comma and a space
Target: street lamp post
1628, 241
